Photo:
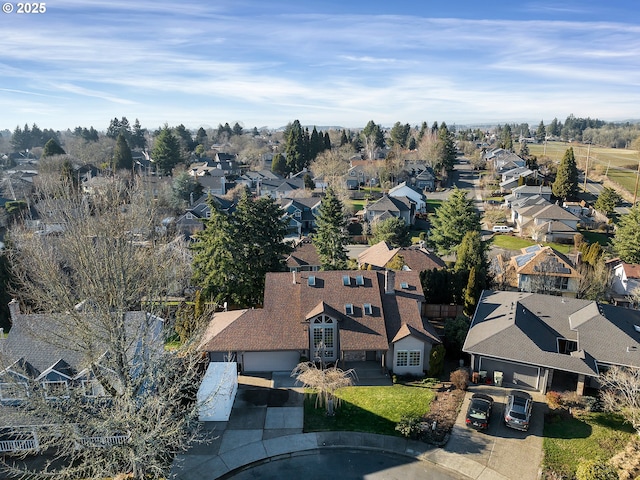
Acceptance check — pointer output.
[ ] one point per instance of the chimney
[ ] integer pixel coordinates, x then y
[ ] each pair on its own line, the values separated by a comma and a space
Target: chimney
294, 276
389, 282
14, 310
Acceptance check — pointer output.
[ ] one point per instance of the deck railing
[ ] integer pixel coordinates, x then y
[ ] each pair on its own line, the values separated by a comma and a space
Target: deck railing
18, 445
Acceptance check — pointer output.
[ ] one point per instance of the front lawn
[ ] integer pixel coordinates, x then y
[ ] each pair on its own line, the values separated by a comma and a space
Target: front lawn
592, 436
511, 242
369, 409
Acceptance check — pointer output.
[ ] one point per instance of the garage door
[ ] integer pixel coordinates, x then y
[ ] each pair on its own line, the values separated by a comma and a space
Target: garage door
514, 373
270, 361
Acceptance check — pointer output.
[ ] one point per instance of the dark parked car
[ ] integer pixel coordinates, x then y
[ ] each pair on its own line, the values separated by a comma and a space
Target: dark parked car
479, 411
517, 411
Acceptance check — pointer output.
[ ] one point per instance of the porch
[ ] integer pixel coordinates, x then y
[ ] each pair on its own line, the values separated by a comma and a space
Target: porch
368, 373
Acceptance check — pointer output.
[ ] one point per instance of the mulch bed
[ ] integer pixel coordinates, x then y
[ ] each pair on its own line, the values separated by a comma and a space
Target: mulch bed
444, 411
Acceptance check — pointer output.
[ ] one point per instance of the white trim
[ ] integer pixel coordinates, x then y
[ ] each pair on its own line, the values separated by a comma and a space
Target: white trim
52, 397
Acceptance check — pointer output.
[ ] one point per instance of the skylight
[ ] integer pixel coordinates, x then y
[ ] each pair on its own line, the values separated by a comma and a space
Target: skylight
359, 280
348, 309
404, 285
346, 281
367, 309
311, 281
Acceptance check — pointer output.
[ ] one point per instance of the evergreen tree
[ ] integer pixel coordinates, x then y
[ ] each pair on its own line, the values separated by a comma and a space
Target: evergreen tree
506, 138
296, 148
607, 201
235, 252
122, 158
372, 138
343, 138
399, 134
327, 141
541, 132
278, 164
413, 144
166, 151
392, 230
201, 138
331, 236
524, 150
138, 136
447, 148
185, 138
237, 129
626, 242
471, 293
452, 220
566, 183
471, 253
555, 128
309, 184
52, 148
316, 144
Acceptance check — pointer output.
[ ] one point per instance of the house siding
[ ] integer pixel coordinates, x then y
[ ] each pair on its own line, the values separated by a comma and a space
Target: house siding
409, 344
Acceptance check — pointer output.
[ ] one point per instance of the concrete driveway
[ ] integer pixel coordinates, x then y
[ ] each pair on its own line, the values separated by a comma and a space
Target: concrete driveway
509, 452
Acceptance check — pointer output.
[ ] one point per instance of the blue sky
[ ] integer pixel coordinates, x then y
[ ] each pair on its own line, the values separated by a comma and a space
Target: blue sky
323, 62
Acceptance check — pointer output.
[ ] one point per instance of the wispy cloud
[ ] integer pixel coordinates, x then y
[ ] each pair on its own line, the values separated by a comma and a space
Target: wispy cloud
165, 59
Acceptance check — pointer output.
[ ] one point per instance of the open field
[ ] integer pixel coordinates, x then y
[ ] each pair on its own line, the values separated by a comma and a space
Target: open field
619, 165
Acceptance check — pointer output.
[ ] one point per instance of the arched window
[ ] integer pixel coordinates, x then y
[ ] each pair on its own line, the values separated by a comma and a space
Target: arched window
323, 331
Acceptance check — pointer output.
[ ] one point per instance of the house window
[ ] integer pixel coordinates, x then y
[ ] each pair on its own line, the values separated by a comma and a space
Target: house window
297, 214
409, 358
346, 281
323, 335
562, 283
367, 309
566, 346
13, 391
348, 309
92, 388
53, 390
414, 358
402, 358
359, 280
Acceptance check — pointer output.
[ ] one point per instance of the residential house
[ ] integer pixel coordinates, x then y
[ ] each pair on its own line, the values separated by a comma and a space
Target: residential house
253, 178
413, 193
502, 160
626, 282
525, 192
36, 360
192, 221
336, 316
213, 183
415, 258
511, 178
537, 341
304, 257
301, 212
420, 175
545, 222
387, 207
277, 188
540, 269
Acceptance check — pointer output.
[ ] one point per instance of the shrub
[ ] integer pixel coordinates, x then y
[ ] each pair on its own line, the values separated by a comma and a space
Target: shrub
554, 399
595, 470
592, 404
409, 426
460, 378
436, 360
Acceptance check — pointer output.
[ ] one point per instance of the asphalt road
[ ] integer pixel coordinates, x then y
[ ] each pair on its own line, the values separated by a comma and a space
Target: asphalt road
348, 465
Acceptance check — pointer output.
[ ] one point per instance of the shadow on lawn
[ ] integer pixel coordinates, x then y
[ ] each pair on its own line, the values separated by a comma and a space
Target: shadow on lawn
563, 425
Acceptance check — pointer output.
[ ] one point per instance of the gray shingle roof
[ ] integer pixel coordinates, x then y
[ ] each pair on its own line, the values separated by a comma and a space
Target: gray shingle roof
525, 327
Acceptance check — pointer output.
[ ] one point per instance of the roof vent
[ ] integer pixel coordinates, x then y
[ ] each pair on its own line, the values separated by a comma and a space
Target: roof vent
636, 328
632, 348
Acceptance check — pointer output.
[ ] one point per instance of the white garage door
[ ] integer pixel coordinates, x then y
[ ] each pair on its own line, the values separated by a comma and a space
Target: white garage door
514, 373
270, 361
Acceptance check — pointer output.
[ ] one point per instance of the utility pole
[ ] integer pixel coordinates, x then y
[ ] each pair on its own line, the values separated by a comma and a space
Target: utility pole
635, 190
586, 169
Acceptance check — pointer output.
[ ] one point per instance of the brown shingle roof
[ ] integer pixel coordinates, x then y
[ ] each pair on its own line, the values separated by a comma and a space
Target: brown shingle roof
283, 322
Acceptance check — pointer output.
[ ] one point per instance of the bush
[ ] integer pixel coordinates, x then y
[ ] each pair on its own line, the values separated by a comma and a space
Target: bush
409, 426
436, 360
592, 404
595, 470
554, 400
460, 378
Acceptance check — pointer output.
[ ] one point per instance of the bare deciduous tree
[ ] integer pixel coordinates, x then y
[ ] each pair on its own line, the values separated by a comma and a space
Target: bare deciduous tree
621, 393
106, 261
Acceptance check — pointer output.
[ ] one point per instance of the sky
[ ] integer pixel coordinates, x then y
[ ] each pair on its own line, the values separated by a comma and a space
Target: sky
324, 62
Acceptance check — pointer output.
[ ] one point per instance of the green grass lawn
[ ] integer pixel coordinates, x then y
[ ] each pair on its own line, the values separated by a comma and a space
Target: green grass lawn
510, 242
369, 409
596, 237
585, 436
432, 205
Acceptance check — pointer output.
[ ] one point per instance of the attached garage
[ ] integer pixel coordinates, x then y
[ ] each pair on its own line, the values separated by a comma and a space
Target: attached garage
513, 373
270, 361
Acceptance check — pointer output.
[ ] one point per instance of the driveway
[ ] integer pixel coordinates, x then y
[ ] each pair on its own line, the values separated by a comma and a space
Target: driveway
510, 452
